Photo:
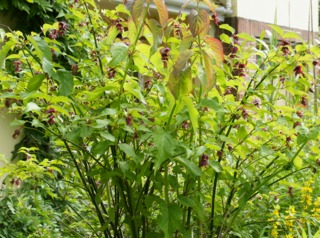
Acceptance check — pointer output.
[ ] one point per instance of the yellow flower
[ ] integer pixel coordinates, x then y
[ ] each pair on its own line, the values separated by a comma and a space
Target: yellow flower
274, 233
307, 189
291, 210
317, 202
307, 199
289, 236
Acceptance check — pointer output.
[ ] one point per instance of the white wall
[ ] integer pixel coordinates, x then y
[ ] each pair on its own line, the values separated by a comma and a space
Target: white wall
289, 13
7, 142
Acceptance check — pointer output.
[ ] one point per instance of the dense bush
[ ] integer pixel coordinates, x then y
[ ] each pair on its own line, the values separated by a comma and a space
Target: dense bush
155, 132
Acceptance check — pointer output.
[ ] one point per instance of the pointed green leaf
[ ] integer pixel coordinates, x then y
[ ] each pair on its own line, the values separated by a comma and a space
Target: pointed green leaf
31, 106
170, 218
246, 37
165, 145
227, 27
35, 82
119, 52
100, 148
128, 150
162, 11
216, 166
298, 162
277, 29
65, 81
137, 11
4, 51
191, 166
156, 31
198, 21
193, 112
180, 80
43, 51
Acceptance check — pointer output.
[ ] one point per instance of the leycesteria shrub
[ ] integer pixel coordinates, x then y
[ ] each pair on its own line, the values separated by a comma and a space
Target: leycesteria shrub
165, 133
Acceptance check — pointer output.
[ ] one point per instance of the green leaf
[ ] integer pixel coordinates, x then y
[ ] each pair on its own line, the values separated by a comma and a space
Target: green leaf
128, 150
180, 81
265, 150
43, 51
156, 31
4, 51
241, 133
108, 136
216, 166
277, 29
298, 162
35, 82
137, 11
165, 145
191, 166
246, 37
119, 52
65, 81
227, 27
170, 218
225, 38
212, 103
100, 148
291, 35
193, 112
31, 106
317, 234
162, 11
198, 21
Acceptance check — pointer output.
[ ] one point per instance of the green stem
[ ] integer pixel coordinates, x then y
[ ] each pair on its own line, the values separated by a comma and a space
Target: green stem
94, 38
83, 179
129, 59
166, 184
171, 115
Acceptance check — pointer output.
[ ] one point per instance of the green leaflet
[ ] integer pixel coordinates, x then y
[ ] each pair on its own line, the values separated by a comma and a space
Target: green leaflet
180, 80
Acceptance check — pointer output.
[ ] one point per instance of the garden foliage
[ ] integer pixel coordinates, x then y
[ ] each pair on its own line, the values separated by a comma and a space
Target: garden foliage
159, 129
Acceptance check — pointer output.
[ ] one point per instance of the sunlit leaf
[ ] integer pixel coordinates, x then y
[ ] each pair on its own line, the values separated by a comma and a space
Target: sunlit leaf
193, 112
4, 51
216, 166
227, 27
119, 52
35, 82
297, 162
44, 53
162, 11
198, 21
208, 67
31, 106
156, 31
180, 81
277, 29
137, 11
246, 37
217, 49
210, 4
